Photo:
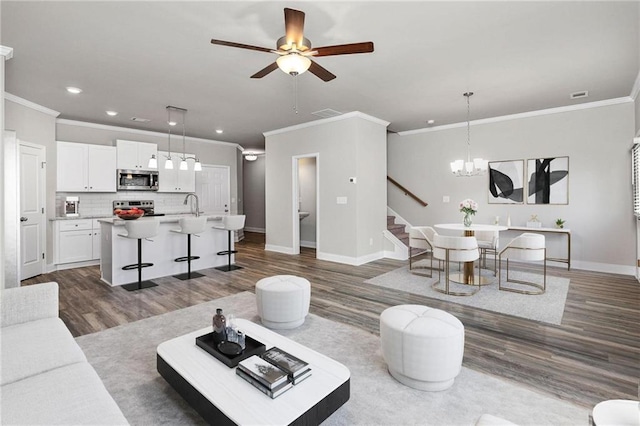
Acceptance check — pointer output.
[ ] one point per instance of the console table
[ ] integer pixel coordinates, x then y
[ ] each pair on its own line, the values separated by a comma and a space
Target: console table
564, 231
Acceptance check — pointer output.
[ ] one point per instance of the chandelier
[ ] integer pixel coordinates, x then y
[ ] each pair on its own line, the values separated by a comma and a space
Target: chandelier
478, 166
168, 164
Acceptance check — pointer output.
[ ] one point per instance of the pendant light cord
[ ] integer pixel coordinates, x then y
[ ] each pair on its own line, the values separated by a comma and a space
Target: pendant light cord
468, 95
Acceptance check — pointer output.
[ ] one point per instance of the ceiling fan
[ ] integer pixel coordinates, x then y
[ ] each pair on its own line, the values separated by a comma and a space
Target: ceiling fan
294, 49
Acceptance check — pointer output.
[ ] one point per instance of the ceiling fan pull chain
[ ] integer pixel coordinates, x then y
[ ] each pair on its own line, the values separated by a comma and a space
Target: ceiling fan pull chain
295, 93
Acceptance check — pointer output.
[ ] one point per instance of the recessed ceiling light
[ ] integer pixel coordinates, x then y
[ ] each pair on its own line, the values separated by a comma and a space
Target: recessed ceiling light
219, 131
74, 90
112, 113
431, 121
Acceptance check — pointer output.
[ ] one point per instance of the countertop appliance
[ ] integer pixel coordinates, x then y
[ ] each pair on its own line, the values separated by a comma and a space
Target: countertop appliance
146, 205
137, 180
72, 206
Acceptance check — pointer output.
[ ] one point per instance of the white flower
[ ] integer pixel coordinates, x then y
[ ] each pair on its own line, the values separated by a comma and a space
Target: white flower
468, 206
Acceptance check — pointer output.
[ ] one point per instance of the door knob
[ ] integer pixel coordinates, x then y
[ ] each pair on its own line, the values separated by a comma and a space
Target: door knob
23, 219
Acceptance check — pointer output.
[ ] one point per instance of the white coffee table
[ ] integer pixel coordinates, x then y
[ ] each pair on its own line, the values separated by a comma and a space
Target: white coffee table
221, 397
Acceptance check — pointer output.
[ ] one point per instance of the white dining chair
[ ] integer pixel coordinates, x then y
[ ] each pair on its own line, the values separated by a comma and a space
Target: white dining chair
488, 244
421, 239
527, 247
454, 249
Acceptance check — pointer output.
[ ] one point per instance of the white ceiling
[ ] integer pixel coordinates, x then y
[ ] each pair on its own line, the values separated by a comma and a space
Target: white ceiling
138, 57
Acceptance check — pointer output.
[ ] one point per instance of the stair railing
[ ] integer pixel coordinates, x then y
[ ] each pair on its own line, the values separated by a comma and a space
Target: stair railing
407, 192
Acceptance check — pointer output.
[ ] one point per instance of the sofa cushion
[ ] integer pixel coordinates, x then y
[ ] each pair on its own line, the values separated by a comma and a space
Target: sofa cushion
70, 395
35, 347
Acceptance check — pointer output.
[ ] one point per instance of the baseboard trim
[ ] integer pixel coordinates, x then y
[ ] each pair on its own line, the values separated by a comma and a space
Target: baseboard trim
258, 230
349, 260
63, 266
279, 249
308, 244
602, 267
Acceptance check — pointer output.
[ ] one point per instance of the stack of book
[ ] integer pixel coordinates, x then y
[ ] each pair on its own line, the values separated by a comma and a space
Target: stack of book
274, 372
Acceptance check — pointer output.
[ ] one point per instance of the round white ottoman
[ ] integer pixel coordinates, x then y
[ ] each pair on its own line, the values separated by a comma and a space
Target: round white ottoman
283, 301
422, 346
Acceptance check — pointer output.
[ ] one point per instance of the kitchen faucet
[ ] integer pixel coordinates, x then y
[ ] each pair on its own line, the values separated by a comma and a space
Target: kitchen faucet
191, 194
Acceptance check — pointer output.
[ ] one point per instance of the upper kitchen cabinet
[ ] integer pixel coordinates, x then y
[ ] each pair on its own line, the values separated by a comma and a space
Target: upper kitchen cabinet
135, 155
175, 180
86, 168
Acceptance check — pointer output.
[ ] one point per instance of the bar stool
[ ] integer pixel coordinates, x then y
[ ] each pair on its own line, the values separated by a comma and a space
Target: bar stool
189, 226
139, 230
230, 223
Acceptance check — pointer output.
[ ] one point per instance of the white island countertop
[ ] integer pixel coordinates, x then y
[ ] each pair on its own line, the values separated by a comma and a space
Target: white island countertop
161, 250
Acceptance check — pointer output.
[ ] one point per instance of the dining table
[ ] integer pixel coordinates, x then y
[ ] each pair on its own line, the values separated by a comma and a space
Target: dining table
468, 276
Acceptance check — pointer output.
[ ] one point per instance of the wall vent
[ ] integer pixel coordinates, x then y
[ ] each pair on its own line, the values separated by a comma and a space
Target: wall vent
326, 113
140, 120
578, 95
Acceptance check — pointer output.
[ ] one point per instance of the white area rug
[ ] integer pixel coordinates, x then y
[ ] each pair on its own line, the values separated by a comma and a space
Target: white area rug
125, 359
547, 307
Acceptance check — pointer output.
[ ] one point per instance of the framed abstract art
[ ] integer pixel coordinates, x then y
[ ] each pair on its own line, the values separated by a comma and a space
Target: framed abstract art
506, 182
548, 180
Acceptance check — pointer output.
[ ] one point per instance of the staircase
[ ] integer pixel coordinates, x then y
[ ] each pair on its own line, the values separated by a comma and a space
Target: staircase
398, 230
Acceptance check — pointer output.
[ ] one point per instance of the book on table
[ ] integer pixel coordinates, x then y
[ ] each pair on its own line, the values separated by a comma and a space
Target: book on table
266, 373
273, 393
300, 377
288, 363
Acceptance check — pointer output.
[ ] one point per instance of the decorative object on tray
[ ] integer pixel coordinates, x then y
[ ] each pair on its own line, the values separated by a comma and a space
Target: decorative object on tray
272, 393
469, 208
252, 347
133, 213
230, 348
534, 222
219, 327
548, 180
506, 182
560, 223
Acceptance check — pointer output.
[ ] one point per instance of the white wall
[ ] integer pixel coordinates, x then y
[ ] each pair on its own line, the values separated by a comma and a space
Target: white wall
597, 142
343, 144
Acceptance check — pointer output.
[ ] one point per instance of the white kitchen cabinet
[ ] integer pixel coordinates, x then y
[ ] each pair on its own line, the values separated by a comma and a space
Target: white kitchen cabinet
85, 168
175, 180
77, 240
135, 155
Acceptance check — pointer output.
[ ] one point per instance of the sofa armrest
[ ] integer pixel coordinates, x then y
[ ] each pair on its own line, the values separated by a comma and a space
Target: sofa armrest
28, 303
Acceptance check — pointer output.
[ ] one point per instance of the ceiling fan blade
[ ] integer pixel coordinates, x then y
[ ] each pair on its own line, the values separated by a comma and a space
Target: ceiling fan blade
344, 49
320, 72
265, 71
240, 45
294, 26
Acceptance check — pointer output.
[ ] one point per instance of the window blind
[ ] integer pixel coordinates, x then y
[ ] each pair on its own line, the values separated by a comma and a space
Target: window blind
635, 165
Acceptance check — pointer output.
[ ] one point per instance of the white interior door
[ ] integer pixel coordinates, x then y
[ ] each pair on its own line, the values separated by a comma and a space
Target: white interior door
213, 188
32, 212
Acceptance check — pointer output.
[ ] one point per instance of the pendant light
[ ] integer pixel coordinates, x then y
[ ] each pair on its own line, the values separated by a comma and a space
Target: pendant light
153, 162
468, 168
184, 165
183, 162
168, 164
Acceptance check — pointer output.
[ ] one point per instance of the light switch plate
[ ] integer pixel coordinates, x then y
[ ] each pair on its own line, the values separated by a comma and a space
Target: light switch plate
445, 199
341, 200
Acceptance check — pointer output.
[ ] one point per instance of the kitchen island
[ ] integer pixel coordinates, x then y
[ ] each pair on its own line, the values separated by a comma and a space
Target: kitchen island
161, 250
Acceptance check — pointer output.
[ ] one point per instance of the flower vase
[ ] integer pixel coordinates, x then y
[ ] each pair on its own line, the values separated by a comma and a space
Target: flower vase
467, 220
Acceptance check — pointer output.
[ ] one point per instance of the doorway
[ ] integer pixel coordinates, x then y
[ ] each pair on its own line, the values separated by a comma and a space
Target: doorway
306, 221
32, 209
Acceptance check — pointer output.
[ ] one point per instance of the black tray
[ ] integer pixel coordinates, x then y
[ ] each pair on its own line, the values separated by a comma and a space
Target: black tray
252, 347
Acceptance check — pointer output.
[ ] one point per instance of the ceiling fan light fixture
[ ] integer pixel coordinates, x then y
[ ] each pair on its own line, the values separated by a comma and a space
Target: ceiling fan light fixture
251, 157
293, 63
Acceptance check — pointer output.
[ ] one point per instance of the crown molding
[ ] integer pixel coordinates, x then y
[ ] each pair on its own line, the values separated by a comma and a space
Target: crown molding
528, 114
97, 126
29, 104
636, 88
7, 52
353, 114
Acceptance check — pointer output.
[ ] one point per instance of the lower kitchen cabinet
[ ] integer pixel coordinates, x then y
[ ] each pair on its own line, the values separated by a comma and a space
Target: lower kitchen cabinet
77, 240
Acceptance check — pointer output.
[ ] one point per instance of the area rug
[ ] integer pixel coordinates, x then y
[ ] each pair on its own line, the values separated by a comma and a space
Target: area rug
125, 359
547, 307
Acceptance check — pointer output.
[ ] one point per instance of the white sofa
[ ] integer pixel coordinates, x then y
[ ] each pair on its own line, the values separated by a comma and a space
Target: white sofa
44, 375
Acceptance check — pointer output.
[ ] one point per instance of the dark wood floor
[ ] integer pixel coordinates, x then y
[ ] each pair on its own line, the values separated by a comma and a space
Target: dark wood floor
593, 356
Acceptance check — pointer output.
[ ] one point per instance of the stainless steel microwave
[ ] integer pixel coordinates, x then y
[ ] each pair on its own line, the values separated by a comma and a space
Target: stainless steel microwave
137, 180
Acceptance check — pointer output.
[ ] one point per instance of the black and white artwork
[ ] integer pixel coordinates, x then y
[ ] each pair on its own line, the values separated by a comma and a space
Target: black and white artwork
506, 182
548, 180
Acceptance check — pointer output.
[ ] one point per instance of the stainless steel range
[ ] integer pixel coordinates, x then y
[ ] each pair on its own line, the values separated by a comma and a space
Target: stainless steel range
146, 205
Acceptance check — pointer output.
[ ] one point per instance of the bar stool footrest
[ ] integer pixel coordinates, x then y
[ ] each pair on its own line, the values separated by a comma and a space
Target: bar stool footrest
136, 266
139, 286
227, 268
185, 258
226, 252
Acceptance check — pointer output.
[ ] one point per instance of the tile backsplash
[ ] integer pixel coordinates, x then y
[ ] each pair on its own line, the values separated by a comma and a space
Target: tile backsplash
101, 204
